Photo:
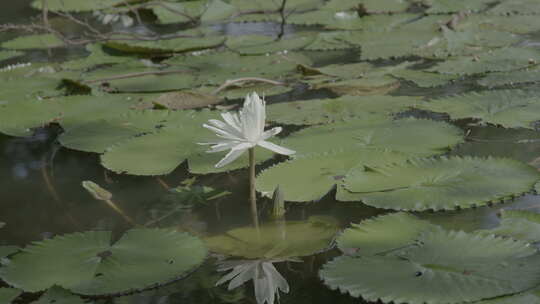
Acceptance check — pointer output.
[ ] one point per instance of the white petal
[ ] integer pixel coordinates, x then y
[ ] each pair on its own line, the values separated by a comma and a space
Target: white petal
273, 147
230, 157
271, 132
222, 146
232, 120
222, 133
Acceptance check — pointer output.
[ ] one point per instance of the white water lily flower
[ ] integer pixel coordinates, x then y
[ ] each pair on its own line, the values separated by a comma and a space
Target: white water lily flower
242, 131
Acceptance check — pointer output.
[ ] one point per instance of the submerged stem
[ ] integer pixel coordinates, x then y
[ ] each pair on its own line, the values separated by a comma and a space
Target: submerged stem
252, 193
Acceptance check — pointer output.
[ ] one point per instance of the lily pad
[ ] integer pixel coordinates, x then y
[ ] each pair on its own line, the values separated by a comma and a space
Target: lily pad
425, 79
530, 75
399, 136
320, 111
175, 45
438, 267
76, 5
4, 55
59, 295
361, 87
182, 100
441, 184
504, 59
260, 44
507, 108
372, 6
455, 6
310, 177
524, 7
87, 263
277, 240
41, 41
179, 12
8, 294
518, 224
381, 235
97, 57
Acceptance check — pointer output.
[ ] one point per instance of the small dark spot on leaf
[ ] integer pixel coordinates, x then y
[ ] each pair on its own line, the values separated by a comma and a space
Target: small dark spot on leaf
171, 261
98, 275
418, 273
104, 254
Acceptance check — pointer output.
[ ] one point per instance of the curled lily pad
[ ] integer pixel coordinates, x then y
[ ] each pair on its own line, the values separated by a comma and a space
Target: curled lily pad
441, 184
87, 263
507, 108
175, 45
181, 100
362, 86
438, 267
277, 240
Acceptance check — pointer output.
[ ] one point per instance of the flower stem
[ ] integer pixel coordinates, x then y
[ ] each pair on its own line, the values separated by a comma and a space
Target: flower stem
252, 193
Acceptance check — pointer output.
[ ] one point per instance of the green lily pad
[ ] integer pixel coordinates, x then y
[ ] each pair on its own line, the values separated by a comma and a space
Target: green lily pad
8, 294
372, 6
59, 295
380, 235
216, 10
401, 136
261, 44
361, 87
87, 263
335, 40
320, 111
523, 7
518, 224
4, 55
161, 151
263, 5
507, 108
41, 41
441, 184
216, 68
310, 177
76, 5
504, 59
425, 79
397, 43
175, 45
454, 6
277, 240
438, 267
97, 57
179, 12
182, 100
529, 75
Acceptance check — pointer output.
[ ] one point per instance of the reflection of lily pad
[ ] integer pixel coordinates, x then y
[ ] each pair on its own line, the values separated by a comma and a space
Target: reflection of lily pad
277, 240
441, 184
86, 263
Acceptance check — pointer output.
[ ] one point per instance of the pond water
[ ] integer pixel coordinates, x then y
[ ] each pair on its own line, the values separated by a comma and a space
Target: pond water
42, 196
